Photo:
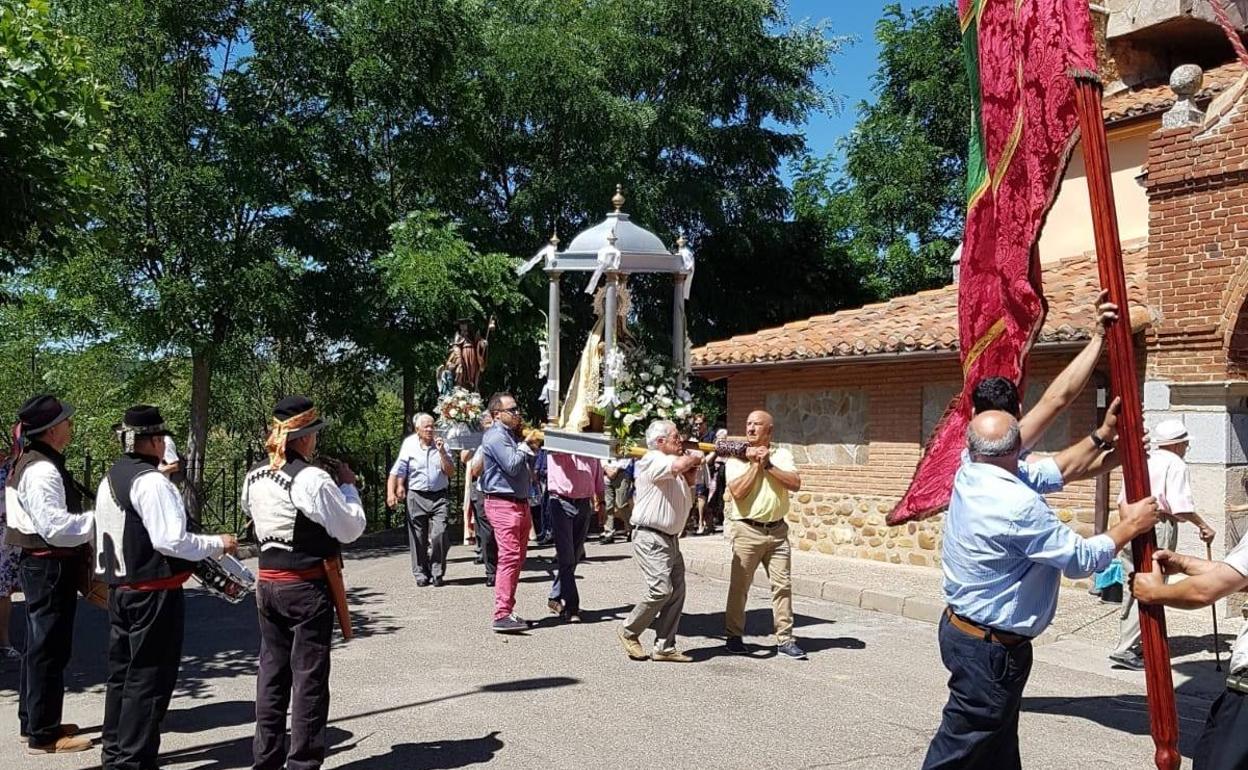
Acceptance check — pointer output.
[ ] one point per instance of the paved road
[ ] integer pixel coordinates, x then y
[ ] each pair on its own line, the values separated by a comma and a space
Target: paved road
426, 685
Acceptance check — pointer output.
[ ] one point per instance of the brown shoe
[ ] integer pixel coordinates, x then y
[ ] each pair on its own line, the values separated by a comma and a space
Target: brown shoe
632, 646
555, 606
64, 745
670, 656
67, 730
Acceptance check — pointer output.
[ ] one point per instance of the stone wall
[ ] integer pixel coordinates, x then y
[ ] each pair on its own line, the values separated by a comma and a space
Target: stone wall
853, 526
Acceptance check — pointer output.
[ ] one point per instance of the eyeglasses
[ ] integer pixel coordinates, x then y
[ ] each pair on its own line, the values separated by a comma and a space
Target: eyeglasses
510, 410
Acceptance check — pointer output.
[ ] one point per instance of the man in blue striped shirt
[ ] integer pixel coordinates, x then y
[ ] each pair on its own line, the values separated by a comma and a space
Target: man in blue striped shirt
1003, 557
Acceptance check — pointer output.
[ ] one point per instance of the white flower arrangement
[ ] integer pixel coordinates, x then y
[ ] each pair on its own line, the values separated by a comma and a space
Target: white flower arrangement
643, 392
460, 406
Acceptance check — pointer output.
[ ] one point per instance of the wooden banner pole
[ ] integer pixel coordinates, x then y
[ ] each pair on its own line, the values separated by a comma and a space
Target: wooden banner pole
1162, 716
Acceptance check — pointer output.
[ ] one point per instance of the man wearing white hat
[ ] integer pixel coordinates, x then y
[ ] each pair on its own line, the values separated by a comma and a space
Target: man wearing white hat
1171, 484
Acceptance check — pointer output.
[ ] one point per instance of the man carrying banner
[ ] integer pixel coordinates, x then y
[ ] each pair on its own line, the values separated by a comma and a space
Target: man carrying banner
302, 517
1003, 556
145, 554
46, 520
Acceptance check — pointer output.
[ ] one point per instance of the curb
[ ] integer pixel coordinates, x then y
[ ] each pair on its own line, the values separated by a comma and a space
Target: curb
921, 608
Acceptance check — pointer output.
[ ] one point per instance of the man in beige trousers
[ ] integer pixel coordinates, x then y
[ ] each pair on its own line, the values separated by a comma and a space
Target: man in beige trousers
760, 485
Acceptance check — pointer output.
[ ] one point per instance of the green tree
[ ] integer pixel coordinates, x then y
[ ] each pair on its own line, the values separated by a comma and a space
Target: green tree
183, 257
900, 204
52, 110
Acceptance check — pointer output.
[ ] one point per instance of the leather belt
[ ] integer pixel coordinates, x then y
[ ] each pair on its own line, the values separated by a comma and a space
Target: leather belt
508, 498
761, 524
971, 628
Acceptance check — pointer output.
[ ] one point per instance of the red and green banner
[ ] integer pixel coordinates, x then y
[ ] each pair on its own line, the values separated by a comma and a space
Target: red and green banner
1020, 55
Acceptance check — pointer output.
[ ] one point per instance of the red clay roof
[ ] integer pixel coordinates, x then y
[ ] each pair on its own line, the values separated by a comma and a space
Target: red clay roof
1151, 98
927, 321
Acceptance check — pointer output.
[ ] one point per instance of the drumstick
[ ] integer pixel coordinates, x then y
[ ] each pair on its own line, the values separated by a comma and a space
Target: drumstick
1217, 643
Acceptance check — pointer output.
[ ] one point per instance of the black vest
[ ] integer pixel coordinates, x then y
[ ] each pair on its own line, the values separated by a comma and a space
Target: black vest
308, 543
38, 451
142, 561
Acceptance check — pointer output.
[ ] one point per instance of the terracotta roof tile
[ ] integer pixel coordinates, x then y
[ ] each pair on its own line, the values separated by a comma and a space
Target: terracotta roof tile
1149, 98
926, 321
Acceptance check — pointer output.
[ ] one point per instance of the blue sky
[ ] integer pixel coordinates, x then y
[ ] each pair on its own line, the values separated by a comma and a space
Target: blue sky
853, 68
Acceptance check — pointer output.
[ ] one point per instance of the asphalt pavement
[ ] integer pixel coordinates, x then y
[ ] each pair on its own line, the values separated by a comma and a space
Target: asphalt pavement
426, 684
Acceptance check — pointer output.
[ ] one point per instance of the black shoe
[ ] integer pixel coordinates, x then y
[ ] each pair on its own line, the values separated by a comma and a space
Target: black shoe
606, 540
1129, 659
791, 649
438, 582
422, 581
735, 646
489, 582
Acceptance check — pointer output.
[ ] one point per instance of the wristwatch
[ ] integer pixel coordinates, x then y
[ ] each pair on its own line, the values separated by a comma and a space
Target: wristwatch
1100, 443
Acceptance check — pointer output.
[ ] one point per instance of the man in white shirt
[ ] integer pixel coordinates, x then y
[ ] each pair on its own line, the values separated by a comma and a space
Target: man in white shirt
47, 521
1171, 485
422, 474
1224, 743
144, 553
660, 509
303, 516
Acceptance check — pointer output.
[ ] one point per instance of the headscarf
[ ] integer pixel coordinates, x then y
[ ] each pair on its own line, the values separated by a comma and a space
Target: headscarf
275, 444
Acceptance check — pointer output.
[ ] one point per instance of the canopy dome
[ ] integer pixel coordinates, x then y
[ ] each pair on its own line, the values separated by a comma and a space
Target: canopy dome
640, 250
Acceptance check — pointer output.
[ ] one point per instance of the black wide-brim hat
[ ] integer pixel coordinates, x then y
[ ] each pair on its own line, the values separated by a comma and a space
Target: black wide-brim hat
42, 412
142, 420
292, 406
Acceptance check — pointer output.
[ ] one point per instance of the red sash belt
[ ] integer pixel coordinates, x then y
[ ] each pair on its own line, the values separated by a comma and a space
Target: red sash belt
159, 584
293, 575
54, 553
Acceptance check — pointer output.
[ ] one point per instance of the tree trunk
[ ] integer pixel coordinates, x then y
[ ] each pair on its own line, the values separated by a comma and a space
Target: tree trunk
201, 391
409, 396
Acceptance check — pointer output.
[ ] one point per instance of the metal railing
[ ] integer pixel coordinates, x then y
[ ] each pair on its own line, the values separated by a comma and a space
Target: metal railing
221, 487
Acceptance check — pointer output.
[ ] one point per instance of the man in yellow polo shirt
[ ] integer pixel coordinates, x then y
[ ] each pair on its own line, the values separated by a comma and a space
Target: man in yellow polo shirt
759, 486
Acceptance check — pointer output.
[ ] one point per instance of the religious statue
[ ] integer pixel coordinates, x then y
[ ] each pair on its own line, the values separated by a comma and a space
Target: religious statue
467, 359
585, 390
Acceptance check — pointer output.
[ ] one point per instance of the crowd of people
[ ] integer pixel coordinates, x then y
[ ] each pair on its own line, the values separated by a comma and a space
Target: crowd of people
1003, 555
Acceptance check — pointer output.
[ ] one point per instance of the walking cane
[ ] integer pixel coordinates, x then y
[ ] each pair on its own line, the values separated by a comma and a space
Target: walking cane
1217, 643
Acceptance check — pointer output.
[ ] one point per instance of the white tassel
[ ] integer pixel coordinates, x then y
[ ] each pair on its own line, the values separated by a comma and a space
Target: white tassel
608, 260
686, 262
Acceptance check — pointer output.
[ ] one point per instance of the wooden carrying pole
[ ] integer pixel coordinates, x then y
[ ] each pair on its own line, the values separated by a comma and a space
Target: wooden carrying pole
1162, 717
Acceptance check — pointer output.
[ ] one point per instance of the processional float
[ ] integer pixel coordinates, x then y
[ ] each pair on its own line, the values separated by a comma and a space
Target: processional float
1032, 70
608, 253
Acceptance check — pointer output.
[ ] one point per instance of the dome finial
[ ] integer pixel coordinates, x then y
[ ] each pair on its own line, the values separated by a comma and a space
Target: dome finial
681, 241
554, 238
617, 200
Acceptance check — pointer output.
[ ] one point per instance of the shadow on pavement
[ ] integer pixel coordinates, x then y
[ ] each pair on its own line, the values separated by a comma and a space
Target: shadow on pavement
433, 755
758, 620
1129, 712
236, 753
209, 716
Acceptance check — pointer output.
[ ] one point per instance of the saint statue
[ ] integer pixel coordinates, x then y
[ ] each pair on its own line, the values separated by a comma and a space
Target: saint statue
467, 358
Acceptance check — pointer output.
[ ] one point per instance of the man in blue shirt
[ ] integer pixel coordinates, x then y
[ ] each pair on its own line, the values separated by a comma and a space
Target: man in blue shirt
425, 466
1003, 556
507, 456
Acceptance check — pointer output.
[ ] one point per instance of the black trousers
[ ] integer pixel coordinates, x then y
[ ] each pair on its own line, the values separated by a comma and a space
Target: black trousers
485, 537
51, 589
1224, 743
979, 726
145, 631
569, 523
296, 627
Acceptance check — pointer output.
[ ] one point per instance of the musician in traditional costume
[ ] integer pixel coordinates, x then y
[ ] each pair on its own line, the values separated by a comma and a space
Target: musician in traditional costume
302, 516
144, 553
47, 521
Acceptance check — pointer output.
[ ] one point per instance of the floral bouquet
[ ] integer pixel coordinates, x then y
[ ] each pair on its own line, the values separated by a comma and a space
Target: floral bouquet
460, 407
646, 389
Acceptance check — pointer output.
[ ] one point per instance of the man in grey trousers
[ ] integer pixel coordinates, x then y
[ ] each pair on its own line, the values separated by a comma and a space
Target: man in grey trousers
423, 471
661, 503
